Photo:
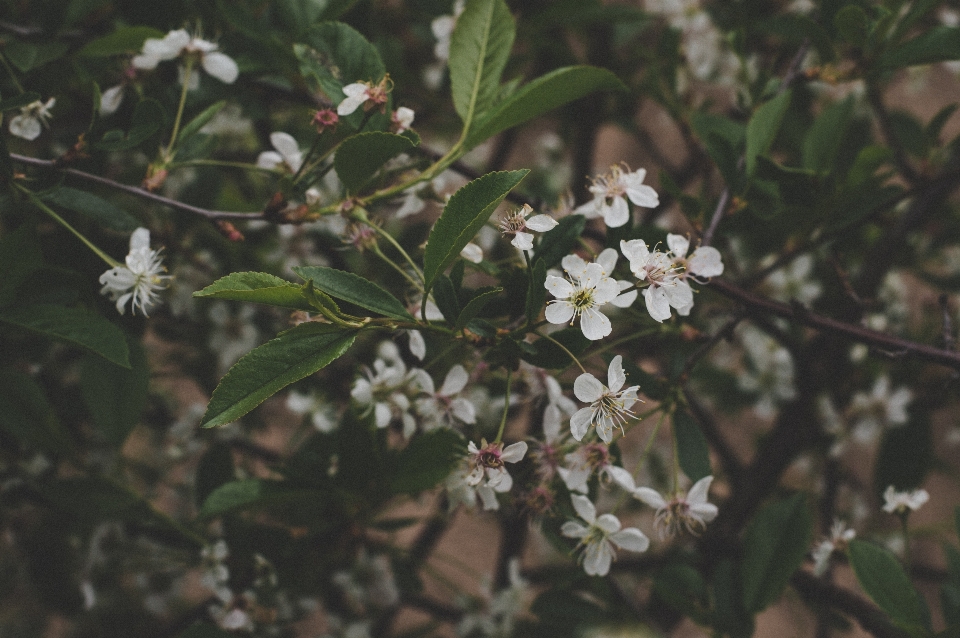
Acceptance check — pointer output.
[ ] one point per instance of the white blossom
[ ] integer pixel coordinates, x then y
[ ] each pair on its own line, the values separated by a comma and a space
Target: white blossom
369, 583
179, 42
770, 374
384, 390
323, 415
140, 280
793, 282
28, 124
609, 405
665, 288
587, 459
440, 407
900, 502
600, 535
481, 474
840, 536
704, 262
690, 513
881, 409
402, 119
111, 99
582, 295
287, 153
608, 196
517, 224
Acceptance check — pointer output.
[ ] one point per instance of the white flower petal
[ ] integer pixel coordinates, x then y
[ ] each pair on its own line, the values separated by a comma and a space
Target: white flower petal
621, 477
541, 223
588, 388
471, 252
625, 300
514, 452
597, 558
220, 66
657, 303
617, 213
559, 312
455, 381
573, 529
523, 241
706, 262
651, 497
643, 195
608, 523
616, 377
110, 100
699, 493
418, 347
25, 126
594, 324
678, 244
634, 250
558, 287
269, 160
574, 265
580, 423
584, 508
463, 410
631, 539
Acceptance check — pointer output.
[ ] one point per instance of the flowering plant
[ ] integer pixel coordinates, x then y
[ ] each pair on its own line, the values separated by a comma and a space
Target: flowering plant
386, 369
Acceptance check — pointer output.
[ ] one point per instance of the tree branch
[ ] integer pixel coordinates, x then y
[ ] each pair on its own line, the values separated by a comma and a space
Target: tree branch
822, 594
136, 191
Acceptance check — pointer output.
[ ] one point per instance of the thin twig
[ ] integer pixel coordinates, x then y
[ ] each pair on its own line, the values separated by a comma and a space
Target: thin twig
134, 190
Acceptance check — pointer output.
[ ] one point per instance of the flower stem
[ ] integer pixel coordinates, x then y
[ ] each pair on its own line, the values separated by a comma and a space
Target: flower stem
562, 347
187, 70
113, 263
396, 245
379, 253
904, 529
506, 408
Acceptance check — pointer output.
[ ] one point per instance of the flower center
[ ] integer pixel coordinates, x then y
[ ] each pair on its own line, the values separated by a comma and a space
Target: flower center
582, 299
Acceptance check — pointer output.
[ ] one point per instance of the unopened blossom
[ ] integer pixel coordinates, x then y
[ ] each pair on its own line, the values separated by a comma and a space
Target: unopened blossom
840, 537
33, 117
360, 93
179, 43
665, 288
902, 503
609, 404
441, 407
610, 194
882, 408
286, 154
600, 536
582, 296
689, 513
517, 224
587, 459
139, 280
325, 119
402, 119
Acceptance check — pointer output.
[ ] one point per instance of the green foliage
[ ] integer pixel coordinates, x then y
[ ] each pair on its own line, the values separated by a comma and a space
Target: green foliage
249, 493
258, 287
123, 40
17, 101
468, 210
148, 118
906, 455
692, 449
936, 45
115, 396
333, 54
28, 416
560, 240
883, 578
426, 461
775, 544
202, 119
78, 326
472, 308
479, 49
763, 127
274, 365
822, 142
354, 289
359, 157
19, 257
96, 208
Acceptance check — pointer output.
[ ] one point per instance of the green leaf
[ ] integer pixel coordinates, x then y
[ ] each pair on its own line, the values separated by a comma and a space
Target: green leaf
426, 461
17, 101
939, 44
27, 56
692, 448
148, 117
537, 295
541, 96
723, 138
19, 257
883, 578
475, 305
124, 40
96, 208
560, 240
359, 157
79, 326
933, 129
115, 396
354, 289
852, 24
446, 298
822, 142
479, 48
201, 120
214, 469
774, 546
729, 614
257, 287
333, 54
28, 415
247, 493
276, 364
466, 212
763, 126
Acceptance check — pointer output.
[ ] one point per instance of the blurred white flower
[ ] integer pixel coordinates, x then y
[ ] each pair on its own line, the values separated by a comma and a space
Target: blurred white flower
900, 502
587, 459
440, 407
323, 415
881, 409
402, 119
287, 153
689, 513
179, 42
139, 281
600, 535
840, 536
793, 282
28, 124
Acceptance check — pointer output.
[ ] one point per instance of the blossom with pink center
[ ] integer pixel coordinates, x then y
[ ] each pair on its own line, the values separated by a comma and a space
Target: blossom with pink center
360, 93
488, 463
600, 536
402, 119
609, 405
689, 513
610, 194
665, 287
517, 223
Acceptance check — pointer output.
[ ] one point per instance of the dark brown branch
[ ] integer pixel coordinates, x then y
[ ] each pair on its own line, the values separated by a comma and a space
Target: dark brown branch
136, 191
883, 119
762, 305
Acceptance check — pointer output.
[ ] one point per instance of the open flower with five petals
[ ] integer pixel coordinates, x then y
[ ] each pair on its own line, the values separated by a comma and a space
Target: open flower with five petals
33, 117
665, 287
140, 279
689, 513
582, 294
600, 536
609, 405
517, 224
610, 194
704, 262
441, 407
